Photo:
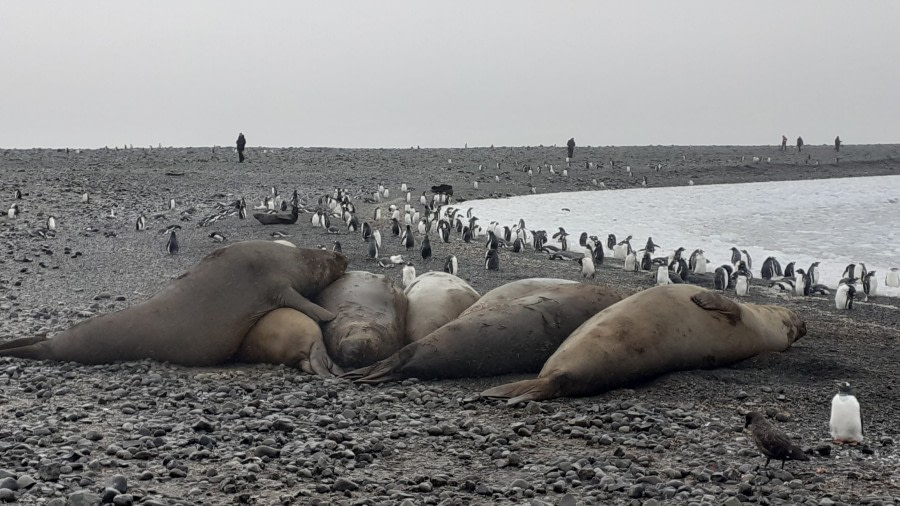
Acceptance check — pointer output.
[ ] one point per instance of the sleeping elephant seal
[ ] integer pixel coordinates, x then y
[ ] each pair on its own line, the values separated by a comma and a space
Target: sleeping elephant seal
370, 318
514, 290
435, 298
662, 329
201, 317
515, 336
287, 336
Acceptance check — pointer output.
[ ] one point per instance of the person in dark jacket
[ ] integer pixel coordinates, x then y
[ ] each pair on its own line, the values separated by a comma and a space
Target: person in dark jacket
784, 142
241, 142
799, 143
837, 143
570, 147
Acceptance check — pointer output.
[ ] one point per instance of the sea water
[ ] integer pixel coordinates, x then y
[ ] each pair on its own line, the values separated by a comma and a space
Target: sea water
832, 221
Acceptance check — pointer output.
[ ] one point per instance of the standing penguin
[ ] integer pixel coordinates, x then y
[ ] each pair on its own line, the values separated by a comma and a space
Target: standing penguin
587, 267
846, 420
789, 270
698, 262
408, 275
747, 259
492, 260
735, 256
646, 261
373, 248
408, 240
767, 271
426, 249
742, 282
141, 223
172, 243
651, 247
662, 275
51, 222
843, 296
611, 241
813, 272
870, 284
598, 254
801, 283
631, 262
451, 266
13, 211
720, 279
892, 278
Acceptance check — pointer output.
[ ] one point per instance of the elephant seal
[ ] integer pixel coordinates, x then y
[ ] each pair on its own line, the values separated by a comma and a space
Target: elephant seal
435, 298
201, 317
370, 318
662, 329
287, 336
515, 336
514, 290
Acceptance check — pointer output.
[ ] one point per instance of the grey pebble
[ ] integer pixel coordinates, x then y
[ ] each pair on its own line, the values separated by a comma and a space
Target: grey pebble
83, 498
343, 484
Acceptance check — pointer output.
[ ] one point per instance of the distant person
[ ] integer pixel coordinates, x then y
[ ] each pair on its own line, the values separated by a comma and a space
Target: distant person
799, 143
784, 142
241, 142
570, 147
837, 143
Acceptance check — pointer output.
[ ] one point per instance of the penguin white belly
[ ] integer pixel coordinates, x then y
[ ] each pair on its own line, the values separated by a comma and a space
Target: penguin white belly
742, 287
846, 423
892, 279
620, 251
662, 276
700, 267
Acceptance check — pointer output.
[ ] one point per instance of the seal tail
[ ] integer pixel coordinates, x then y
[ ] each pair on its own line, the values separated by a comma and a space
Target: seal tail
523, 391
26, 347
379, 372
21, 342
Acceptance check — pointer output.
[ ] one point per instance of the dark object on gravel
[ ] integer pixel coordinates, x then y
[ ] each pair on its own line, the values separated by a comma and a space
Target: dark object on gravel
771, 442
442, 188
278, 219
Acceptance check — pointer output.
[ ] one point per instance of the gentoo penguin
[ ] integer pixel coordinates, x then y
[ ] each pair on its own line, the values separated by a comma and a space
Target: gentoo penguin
376, 234
141, 223
598, 254
846, 420
587, 267
86, 198
13, 211
742, 282
735, 256
51, 222
767, 271
813, 273
631, 262
662, 275
748, 260
611, 241
171, 204
492, 260
892, 278
373, 248
651, 247
849, 271
217, 237
801, 282
870, 285
771, 442
337, 247
582, 239
720, 279
242, 210
450, 265
407, 239
426, 249
698, 262
789, 270
172, 243
408, 275
843, 296
646, 261
492, 242
17, 194
518, 245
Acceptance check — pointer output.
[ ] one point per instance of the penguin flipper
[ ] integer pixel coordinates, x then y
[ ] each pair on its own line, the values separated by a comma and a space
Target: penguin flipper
712, 301
523, 391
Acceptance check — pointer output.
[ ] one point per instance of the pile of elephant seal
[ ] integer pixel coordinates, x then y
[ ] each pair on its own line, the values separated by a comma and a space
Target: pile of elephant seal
269, 302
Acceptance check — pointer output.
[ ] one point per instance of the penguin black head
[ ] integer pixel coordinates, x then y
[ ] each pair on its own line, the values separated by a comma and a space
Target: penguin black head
845, 389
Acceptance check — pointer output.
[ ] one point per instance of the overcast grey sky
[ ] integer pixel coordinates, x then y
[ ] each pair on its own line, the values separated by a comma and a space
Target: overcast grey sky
403, 73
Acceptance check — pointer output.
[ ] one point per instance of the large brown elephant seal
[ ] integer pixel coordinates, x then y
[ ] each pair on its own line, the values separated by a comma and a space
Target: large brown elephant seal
201, 317
514, 290
435, 298
662, 329
287, 336
515, 336
370, 318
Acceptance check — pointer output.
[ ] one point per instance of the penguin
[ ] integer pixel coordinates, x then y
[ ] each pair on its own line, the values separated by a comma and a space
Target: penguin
662, 276
353, 224
587, 267
843, 296
408, 275
51, 222
742, 283
278, 219
337, 247
863, 272
409, 240
373, 248
801, 282
697, 262
444, 232
492, 260
611, 241
376, 234
242, 210
819, 290
172, 243
518, 245
492, 242
849, 271
582, 239
771, 442
141, 223
813, 273
646, 261
767, 271
466, 235
631, 263
376, 215
651, 247
395, 227
598, 254
17, 194
171, 204
451, 266
86, 198
789, 270
735, 256
720, 279
13, 211
870, 284
748, 260
217, 237
846, 419
892, 278
426, 249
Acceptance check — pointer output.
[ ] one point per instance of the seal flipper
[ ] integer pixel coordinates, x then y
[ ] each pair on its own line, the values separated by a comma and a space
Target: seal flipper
21, 342
293, 299
320, 363
712, 301
380, 372
522, 391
